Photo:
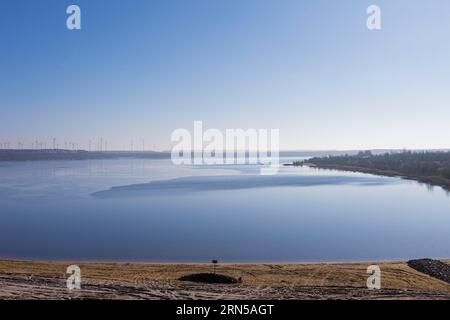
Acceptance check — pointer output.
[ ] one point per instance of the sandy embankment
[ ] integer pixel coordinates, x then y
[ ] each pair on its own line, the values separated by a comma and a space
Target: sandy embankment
47, 280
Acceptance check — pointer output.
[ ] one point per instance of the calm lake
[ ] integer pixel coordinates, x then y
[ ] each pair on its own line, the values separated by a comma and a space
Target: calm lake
159, 212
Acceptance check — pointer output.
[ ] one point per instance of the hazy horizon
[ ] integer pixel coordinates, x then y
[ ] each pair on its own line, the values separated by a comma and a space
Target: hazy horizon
246, 150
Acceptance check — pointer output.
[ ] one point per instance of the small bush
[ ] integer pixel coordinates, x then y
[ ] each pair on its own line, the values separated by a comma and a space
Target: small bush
209, 278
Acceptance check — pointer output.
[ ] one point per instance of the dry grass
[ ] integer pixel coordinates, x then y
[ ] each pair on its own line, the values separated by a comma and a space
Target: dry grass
395, 275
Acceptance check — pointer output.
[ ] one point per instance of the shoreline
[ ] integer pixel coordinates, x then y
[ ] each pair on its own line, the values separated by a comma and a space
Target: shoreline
432, 181
26, 279
153, 262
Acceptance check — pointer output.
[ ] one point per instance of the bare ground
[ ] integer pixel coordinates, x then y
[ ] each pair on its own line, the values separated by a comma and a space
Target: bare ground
47, 280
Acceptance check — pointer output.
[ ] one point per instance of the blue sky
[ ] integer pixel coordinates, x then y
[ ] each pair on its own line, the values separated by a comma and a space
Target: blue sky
143, 68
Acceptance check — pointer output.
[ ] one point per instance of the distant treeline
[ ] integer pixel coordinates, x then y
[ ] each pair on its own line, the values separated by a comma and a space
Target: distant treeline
429, 167
61, 154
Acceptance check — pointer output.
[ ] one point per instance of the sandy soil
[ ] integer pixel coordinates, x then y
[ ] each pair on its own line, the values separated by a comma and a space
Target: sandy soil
47, 280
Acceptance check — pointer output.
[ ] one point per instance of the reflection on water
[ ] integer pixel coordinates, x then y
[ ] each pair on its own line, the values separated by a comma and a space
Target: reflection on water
235, 182
150, 210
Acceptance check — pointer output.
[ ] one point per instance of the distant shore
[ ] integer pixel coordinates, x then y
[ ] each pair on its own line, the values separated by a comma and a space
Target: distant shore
432, 180
47, 280
82, 154
62, 154
429, 167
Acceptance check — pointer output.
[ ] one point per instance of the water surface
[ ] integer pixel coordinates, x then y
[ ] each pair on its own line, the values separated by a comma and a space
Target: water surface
150, 210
